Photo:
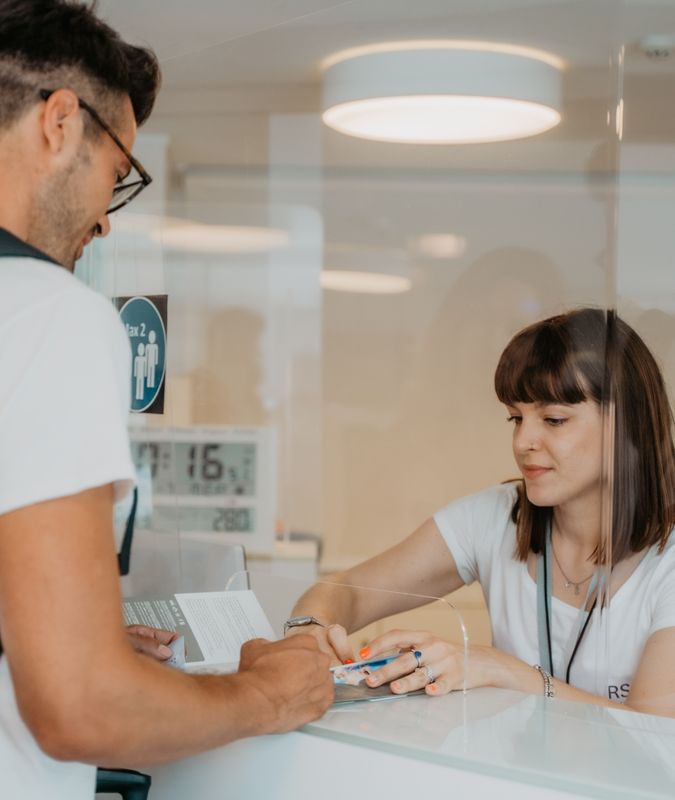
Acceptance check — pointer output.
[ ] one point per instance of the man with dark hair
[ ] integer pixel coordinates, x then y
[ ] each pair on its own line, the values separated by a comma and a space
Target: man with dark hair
72, 689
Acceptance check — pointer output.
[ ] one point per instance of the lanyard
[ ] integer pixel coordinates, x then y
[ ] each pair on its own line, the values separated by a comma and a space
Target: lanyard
544, 593
13, 247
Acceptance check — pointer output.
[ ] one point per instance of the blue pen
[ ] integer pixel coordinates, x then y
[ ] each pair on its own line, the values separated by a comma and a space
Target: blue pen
354, 674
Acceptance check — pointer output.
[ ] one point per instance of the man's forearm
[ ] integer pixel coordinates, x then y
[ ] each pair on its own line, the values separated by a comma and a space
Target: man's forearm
137, 711
146, 712
83, 691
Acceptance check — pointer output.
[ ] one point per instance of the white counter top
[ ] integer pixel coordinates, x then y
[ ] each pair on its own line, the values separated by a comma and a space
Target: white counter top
485, 742
559, 744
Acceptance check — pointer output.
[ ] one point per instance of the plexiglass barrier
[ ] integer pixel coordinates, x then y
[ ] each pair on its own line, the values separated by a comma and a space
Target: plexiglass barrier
367, 614
381, 401
421, 638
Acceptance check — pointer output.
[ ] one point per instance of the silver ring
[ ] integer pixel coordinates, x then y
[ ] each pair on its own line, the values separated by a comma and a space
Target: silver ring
430, 674
418, 656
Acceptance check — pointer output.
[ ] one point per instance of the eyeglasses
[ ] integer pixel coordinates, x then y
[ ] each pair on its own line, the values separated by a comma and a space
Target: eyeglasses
124, 192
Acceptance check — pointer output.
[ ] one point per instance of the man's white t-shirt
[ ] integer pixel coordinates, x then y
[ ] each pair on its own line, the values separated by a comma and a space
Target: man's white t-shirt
64, 399
481, 537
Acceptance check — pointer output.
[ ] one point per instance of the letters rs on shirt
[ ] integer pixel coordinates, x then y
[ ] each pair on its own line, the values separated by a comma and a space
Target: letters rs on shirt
619, 692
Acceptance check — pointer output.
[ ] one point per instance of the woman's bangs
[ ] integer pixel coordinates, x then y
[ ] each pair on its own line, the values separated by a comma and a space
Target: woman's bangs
539, 369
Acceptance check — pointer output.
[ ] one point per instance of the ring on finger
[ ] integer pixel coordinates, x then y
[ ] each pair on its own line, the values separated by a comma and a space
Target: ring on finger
418, 657
429, 673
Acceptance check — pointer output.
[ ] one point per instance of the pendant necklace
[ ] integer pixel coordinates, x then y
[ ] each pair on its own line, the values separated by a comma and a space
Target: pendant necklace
568, 582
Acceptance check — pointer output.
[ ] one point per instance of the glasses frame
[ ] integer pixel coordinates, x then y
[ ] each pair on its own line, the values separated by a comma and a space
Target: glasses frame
145, 176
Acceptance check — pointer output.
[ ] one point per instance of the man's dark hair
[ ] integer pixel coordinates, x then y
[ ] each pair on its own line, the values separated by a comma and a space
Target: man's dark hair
54, 44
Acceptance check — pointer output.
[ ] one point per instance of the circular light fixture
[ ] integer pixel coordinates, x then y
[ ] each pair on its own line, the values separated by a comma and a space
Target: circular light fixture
441, 93
343, 280
176, 233
365, 269
438, 245
197, 237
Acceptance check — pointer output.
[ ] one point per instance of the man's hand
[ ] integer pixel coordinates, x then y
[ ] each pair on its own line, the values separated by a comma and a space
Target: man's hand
293, 677
151, 641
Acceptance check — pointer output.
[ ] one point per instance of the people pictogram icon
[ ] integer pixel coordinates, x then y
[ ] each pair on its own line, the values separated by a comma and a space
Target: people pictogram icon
152, 358
140, 370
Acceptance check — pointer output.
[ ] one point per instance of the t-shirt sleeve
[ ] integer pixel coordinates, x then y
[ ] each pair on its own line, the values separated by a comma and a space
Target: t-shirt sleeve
474, 526
664, 603
64, 407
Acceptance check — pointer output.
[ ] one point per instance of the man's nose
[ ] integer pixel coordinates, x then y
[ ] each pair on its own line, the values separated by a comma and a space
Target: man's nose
102, 227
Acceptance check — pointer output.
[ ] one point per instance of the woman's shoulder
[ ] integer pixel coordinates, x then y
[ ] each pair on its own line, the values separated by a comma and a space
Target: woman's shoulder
653, 573
661, 562
490, 507
478, 527
654, 583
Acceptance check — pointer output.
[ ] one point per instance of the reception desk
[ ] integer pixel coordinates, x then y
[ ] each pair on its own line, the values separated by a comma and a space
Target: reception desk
485, 743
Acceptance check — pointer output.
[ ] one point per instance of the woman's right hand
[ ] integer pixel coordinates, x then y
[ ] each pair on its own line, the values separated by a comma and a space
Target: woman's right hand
332, 639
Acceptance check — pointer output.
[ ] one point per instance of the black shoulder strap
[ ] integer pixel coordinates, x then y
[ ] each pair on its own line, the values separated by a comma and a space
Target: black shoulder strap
13, 247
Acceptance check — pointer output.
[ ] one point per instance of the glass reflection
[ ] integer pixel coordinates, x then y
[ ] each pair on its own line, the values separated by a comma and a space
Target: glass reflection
388, 397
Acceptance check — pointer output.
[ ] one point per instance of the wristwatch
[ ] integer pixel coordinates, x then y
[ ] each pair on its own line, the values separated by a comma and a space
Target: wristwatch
296, 622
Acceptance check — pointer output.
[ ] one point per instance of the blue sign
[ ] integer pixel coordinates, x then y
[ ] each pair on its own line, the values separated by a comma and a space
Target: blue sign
144, 319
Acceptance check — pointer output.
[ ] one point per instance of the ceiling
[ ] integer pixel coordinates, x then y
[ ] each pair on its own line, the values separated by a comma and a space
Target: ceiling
235, 42
230, 65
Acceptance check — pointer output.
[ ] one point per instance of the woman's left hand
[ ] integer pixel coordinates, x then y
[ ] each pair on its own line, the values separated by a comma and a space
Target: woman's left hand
440, 666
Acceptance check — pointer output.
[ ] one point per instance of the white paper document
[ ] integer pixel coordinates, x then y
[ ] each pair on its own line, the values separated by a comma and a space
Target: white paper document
213, 625
222, 621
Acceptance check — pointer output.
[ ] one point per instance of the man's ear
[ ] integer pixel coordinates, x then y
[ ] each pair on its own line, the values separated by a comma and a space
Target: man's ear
62, 124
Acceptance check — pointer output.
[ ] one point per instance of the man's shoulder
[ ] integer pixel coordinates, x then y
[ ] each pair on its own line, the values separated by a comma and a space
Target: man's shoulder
28, 285
32, 278
35, 272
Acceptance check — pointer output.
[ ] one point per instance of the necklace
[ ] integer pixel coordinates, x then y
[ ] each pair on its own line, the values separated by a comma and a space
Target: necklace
568, 582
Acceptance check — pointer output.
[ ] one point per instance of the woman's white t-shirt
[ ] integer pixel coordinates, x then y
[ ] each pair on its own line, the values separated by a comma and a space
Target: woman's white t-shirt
481, 536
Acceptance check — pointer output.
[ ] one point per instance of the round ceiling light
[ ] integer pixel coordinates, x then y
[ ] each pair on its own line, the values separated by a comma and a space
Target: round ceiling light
341, 280
175, 233
365, 269
438, 245
196, 237
442, 93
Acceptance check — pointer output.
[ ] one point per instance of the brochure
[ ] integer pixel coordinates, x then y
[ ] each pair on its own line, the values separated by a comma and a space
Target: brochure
212, 626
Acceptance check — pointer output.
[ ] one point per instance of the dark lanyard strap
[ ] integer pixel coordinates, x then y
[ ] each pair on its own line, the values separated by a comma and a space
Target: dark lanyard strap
579, 638
544, 595
13, 247
544, 608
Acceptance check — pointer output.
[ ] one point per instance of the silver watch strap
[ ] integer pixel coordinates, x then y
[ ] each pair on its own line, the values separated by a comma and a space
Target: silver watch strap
300, 621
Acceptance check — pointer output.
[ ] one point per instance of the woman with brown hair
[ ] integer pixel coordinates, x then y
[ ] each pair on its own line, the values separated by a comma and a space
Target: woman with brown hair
575, 559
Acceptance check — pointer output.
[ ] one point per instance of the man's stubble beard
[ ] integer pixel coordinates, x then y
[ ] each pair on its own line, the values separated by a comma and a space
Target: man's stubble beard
59, 213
